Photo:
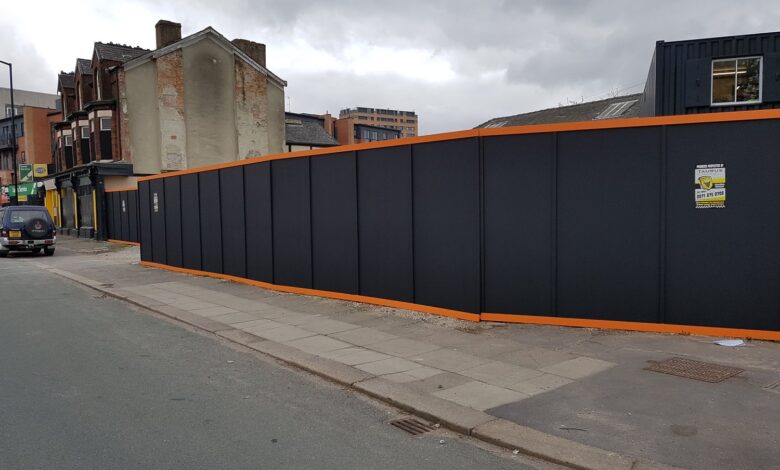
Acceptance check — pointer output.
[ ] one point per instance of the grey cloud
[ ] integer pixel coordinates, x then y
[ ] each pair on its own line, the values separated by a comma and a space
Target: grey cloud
540, 52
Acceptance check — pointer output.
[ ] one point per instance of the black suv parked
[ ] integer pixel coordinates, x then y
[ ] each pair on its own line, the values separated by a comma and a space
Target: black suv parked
26, 228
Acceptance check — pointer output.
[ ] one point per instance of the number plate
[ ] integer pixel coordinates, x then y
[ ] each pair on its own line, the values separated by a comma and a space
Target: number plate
15, 234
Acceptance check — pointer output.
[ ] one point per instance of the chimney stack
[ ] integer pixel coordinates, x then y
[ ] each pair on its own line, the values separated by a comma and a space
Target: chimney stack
168, 32
255, 50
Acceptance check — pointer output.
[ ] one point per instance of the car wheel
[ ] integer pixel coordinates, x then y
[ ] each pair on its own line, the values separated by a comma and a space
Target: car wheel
37, 251
3, 254
48, 251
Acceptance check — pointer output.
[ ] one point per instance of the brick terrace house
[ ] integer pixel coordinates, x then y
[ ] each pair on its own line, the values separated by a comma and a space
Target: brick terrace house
129, 112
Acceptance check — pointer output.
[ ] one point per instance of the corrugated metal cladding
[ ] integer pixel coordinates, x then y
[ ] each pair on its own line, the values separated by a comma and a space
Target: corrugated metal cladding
679, 81
123, 217
598, 224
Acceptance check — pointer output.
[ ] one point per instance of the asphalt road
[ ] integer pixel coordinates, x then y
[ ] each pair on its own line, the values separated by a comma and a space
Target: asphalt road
92, 382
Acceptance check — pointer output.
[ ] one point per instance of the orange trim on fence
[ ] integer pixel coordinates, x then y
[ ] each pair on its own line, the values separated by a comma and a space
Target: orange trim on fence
120, 190
322, 151
497, 317
497, 131
322, 293
123, 242
633, 326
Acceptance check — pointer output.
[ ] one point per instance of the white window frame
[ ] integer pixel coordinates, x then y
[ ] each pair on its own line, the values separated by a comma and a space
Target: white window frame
84, 128
101, 123
68, 140
738, 103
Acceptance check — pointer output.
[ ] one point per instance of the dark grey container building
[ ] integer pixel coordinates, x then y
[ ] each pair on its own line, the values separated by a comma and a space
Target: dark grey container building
730, 73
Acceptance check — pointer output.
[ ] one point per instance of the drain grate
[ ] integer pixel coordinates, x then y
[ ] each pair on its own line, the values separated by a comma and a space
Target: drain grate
696, 370
412, 426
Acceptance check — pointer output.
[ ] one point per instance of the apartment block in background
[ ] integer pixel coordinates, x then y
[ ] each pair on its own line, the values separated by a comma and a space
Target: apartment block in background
406, 122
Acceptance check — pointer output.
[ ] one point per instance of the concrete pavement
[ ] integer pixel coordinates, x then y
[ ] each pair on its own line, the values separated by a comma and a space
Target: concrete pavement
583, 390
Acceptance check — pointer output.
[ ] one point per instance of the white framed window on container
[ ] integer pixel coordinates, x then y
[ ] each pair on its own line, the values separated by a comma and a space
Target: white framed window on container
105, 124
736, 81
84, 132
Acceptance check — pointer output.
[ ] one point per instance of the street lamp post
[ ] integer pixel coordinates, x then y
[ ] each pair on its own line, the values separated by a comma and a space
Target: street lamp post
15, 197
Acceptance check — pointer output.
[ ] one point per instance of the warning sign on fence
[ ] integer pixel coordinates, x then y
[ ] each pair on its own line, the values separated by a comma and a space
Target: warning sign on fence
710, 186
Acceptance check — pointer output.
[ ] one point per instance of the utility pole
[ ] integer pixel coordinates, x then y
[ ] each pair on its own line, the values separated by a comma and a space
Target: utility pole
15, 197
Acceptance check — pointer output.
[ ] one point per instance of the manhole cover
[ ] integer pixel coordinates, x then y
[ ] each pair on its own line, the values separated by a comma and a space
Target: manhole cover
696, 370
412, 426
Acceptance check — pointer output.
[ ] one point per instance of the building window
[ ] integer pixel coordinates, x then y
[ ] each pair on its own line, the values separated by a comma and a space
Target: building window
373, 135
84, 132
736, 81
69, 141
105, 124
24, 157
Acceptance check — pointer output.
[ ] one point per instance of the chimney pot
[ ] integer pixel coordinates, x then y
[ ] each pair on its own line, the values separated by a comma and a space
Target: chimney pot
168, 32
255, 50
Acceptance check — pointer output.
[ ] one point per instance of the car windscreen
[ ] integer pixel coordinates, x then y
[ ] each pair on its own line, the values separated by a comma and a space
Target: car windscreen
24, 216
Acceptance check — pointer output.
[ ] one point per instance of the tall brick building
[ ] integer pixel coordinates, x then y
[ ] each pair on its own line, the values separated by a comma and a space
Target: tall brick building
128, 112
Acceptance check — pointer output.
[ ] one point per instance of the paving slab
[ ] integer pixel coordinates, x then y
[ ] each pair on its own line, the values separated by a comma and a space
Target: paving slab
281, 334
355, 356
363, 336
540, 384
327, 326
500, 373
213, 311
318, 344
480, 396
388, 366
578, 368
257, 323
402, 347
449, 360
232, 318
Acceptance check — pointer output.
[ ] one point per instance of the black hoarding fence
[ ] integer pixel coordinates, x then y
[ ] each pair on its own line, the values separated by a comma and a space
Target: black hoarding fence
658, 221
123, 216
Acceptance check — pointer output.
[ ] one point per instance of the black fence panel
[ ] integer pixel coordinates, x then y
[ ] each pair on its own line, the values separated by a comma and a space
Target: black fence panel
132, 213
608, 197
114, 216
597, 224
124, 217
385, 223
210, 221
292, 222
447, 224
157, 197
190, 222
259, 233
723, 265
145, 220
334, 223
231, 187
173, 249
519, 211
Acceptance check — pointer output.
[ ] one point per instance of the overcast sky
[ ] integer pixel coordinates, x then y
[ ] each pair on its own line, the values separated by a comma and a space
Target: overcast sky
456, 62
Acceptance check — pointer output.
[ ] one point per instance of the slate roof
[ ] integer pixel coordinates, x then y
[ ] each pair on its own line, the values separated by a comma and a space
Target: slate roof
84, 66
67, 80
576, 112
305, 129
117, 52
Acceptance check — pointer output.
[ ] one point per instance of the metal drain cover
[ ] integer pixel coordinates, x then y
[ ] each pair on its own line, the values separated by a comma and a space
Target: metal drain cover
697, 370
412, 426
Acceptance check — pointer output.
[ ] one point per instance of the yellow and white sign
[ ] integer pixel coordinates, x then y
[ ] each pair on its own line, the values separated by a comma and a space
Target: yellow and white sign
710, 186
40, 170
